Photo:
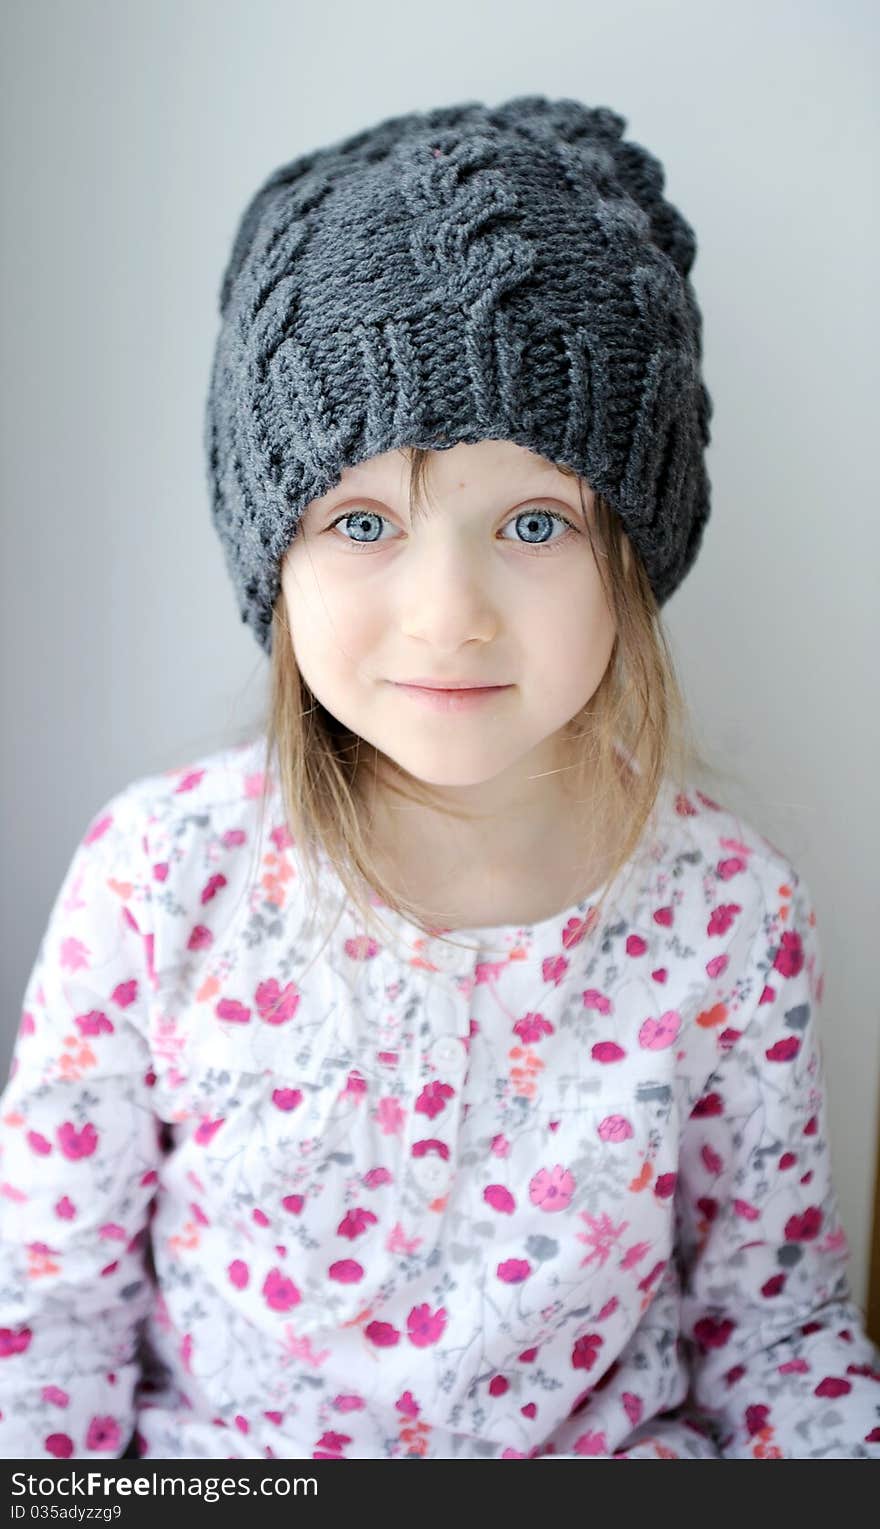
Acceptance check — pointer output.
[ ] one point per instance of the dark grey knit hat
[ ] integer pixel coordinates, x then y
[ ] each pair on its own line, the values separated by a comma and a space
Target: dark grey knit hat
512, 273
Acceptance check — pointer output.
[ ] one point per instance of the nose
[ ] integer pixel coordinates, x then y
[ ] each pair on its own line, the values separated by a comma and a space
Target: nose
447, 598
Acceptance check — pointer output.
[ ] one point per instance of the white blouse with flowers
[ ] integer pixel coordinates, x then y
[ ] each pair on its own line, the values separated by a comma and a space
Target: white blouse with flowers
270, 1188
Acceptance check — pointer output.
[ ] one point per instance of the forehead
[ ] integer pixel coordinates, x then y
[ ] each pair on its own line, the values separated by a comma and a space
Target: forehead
462, 467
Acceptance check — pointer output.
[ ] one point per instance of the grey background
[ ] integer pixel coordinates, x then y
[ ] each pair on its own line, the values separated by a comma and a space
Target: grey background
133, 136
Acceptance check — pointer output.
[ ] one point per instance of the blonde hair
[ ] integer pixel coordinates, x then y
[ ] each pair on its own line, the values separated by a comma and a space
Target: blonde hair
638, 712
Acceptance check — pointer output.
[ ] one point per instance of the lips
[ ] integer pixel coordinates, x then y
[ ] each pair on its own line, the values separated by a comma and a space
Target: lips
428, 684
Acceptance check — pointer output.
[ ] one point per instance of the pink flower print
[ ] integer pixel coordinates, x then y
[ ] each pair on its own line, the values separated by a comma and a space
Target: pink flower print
593, 999
433, 1097
635, 1254
499, 1198
656, 1034
728, 1038
554, 968
233, 838
783, 1051
590, 1444
514, 1270
276, 1005
664, 917
281, 836
551, 1189
424, 1326
773, 1286
635, 945
14, 1341
65, 1209
230, 1009
532, 1027
711, 1161
103, 1433
347, 1271
608, 1309
280, 1292
498, 1385
529, 1410
355, 1084
576, 930
716, 966
382, 1334
75, 1144
239, 1273
349, 1402
789, 957
55, 1396
710, 1104
607, 1051
408, 1405
293, 1203
722, 917
713, 1333
794, 1367
94, 1023
212, 886
586, 1351
660, 975
375, 1177
160, 871
355, 1222
113, 1231
390, 1115
260, 1217
746, 1211
398, 1242
189, 780
73, 954
38, 1143
286, 1098
208, 1130
201, 938
664, 1186
615, 1128
361, 948
804, 1228
98, 829
500, 1146
430, 1144
241, 1423
330, 1446
601, 1235
732, 866
632, 1406
756, 1418
60, 1445
832, 1385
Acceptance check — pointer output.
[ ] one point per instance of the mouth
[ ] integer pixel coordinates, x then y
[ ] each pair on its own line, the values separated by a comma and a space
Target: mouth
460, 698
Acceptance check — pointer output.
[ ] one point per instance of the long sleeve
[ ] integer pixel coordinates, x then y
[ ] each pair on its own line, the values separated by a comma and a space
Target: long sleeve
79, 1154
780, 1363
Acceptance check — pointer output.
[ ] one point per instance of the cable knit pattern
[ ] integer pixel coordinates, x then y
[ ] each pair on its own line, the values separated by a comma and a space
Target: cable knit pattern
458, 275
271, 1188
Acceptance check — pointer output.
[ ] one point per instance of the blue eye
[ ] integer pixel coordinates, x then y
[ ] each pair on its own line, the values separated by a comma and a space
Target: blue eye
535, 520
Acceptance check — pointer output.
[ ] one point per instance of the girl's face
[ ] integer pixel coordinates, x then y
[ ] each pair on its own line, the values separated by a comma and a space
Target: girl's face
489, 586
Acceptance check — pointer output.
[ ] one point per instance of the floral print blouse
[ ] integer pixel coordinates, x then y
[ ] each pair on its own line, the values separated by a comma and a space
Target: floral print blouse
272, 1189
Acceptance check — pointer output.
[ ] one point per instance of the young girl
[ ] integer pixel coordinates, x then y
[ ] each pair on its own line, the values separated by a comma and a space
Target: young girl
437, 1073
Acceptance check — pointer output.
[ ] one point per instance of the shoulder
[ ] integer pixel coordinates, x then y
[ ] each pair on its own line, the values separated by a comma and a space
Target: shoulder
190, 832
196, 795
735, 887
